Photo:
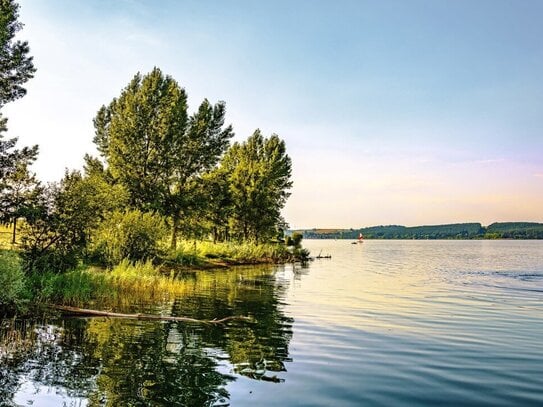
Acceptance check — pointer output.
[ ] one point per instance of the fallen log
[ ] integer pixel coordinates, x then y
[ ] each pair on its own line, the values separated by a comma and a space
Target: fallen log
97, 313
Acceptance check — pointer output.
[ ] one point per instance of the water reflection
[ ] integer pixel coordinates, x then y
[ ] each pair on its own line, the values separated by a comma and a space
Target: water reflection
101, 361
384, 323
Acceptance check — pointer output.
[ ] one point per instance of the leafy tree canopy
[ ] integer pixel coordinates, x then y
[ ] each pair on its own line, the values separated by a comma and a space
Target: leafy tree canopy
259, 176
16, 66
153, 146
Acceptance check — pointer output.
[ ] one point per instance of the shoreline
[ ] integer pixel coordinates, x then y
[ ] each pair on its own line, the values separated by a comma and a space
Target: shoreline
139, 281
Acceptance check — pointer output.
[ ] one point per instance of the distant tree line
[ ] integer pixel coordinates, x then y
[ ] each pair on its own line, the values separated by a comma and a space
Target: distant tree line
500, 230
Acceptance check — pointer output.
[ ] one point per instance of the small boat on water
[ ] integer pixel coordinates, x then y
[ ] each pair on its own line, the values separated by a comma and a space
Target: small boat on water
323, 256
360, 239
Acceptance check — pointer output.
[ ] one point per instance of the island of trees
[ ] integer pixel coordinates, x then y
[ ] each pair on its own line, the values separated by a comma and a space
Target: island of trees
168, 189
499, 230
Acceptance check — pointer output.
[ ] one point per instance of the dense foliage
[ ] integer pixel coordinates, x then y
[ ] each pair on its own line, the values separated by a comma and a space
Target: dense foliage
181, 165
58, 226
131, 234
159, 168
515, 230
16, 67
12, 280
258, 174
155, 149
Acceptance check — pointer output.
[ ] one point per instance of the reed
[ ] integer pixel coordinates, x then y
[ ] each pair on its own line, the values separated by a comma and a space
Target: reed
201, 252
12, 281
124, 283
129, 282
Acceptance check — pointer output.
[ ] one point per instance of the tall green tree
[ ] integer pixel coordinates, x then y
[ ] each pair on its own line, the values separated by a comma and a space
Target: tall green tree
259, 179
16, 67
153, 147
137, 133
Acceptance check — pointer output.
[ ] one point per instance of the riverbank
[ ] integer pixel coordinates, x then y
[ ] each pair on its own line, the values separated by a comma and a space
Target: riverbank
139, 281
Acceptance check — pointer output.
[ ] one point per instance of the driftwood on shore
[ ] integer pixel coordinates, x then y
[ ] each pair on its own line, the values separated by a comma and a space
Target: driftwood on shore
97, 313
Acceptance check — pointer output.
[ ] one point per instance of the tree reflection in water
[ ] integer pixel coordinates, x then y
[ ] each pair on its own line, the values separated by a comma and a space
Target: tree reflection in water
114, 362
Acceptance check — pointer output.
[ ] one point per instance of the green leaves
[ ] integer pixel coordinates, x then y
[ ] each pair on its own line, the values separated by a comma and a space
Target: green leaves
139, 136
259, 178
132, 235
61, 219
12, 279
16, 66
155, 149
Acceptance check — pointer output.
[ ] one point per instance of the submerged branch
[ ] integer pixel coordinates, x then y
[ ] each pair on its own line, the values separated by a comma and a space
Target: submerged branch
97, 313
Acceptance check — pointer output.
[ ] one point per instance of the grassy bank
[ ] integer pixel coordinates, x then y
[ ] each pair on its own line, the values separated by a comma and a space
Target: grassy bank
208, 254
125, 284
128, 282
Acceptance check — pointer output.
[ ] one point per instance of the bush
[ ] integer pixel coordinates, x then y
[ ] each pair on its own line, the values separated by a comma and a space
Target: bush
12, 279
55, 259
294, 240
57, 224
132, 235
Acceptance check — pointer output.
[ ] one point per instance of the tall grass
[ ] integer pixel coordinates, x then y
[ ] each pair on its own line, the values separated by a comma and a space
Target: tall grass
123, 284
194, 253
128, 282
144, 279
12, 280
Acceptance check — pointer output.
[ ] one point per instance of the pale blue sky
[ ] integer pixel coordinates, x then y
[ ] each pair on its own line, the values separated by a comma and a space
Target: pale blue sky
404, 112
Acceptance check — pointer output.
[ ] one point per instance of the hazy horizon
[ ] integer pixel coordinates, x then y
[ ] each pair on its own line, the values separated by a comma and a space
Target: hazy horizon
408, 113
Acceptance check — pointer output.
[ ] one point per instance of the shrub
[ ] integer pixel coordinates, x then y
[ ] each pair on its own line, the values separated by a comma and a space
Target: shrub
12, 279
57, 224
55, 259
132, 235
295, 240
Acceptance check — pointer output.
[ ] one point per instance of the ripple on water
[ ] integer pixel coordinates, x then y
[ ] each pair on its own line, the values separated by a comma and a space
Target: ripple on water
385, 323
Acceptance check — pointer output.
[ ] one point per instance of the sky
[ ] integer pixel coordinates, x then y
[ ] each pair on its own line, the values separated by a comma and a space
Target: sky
394, 112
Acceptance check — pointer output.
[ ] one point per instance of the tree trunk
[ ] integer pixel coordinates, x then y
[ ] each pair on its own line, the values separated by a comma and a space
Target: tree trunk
175, 230
14, 230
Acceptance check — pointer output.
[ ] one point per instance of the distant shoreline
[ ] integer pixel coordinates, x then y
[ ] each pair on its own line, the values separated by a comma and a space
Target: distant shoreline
454, 231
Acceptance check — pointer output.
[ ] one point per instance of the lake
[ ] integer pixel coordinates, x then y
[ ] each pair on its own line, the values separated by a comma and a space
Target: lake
380, 323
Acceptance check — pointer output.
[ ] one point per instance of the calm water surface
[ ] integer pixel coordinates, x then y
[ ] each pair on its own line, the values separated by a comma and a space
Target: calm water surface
380, 323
